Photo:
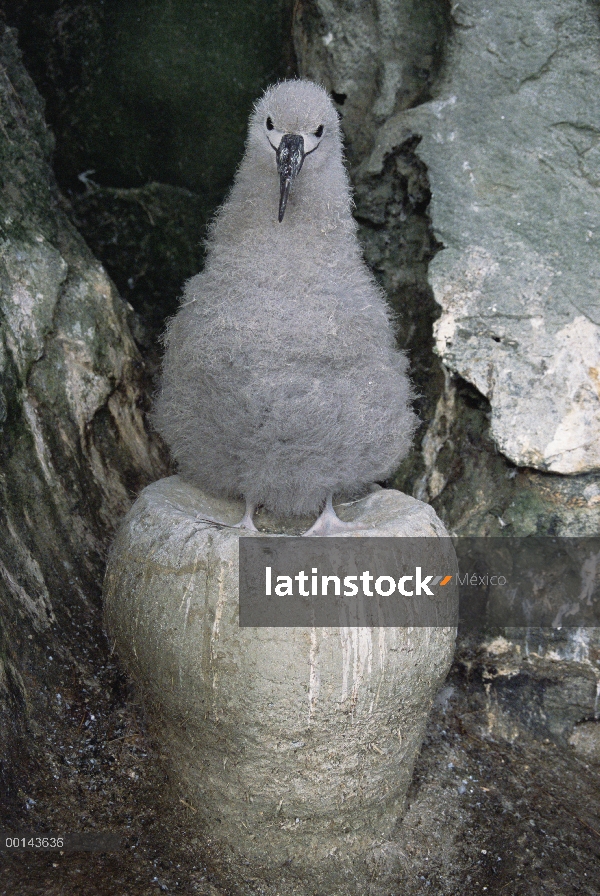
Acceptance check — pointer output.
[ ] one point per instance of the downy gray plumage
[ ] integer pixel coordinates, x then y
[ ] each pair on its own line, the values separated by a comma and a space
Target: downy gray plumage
281, 381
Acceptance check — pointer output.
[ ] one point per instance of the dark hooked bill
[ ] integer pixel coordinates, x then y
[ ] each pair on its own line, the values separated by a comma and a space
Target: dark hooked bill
290, 156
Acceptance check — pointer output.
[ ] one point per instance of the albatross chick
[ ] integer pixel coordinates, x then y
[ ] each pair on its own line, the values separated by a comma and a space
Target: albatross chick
281, 381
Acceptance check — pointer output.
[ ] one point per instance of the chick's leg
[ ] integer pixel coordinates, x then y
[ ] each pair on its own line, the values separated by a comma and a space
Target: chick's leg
329, 523
246, 521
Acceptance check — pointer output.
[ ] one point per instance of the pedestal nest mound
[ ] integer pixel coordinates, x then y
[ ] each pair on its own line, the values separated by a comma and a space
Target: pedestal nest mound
295, 746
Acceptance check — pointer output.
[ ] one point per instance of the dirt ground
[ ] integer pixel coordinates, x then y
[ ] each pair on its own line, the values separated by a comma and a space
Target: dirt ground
492, 808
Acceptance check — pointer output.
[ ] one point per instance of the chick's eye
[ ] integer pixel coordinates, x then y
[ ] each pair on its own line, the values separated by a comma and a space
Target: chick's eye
319, 131
269, 124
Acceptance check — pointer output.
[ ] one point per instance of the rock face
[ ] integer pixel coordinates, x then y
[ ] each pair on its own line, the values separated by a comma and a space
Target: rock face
585, 740
511, 145
375, 58
73, 440
296, 746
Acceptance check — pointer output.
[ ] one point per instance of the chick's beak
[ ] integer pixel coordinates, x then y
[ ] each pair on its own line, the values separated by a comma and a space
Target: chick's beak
290, 155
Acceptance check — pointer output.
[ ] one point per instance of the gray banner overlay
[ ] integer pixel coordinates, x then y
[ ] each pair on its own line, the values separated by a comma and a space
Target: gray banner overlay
476, 583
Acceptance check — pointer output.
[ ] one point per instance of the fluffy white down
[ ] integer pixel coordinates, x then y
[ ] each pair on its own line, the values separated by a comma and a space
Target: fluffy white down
281, 381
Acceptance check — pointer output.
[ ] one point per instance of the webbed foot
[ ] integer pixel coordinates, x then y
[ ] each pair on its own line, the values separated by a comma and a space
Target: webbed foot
329, 523
246, 521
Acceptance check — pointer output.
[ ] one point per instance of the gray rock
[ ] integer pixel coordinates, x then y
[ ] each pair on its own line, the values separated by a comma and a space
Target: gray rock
73, 437
511, 144
375, 58
295, 746
585, 740
546, 679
